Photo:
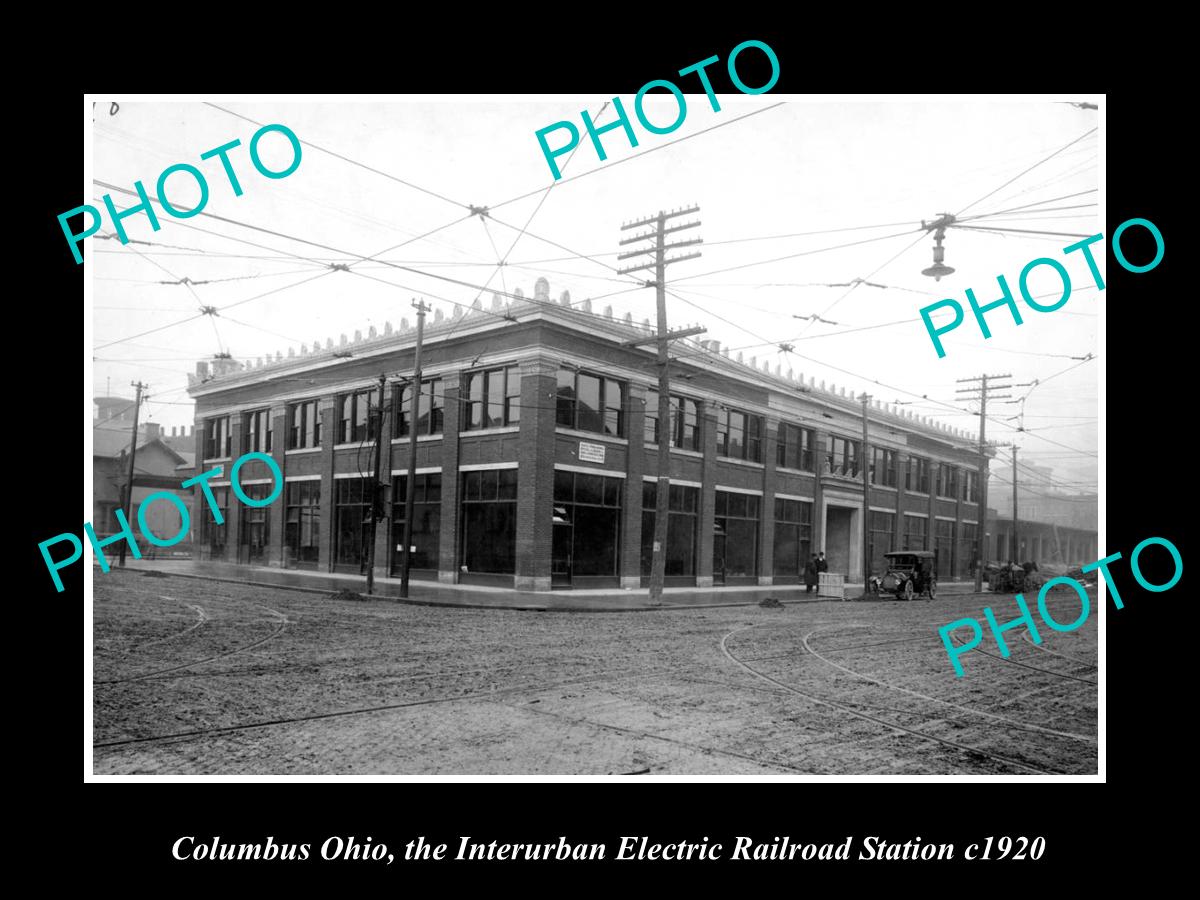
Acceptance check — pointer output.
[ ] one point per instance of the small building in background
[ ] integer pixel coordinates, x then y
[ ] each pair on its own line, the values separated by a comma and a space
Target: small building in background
163, 462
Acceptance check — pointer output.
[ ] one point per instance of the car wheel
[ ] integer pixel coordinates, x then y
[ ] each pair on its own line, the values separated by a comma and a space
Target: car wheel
908, 590
932, 589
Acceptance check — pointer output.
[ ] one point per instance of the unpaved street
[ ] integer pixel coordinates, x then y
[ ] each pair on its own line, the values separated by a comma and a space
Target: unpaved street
202, 677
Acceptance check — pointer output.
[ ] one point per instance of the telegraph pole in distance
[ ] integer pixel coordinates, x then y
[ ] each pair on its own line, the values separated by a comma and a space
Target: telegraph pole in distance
866, 468
658, 565
127, 500
982, 394
410, 492
1016, 542
376, 498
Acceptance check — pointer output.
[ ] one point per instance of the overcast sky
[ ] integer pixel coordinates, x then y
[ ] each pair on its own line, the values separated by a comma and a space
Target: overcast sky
802, 166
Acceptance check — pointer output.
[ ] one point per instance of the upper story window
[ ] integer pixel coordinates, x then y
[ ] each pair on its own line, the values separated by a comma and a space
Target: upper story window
970, 486
356, 422
685, 421
257, 428
947, 481
303, 424
491, 398
431, 409
588, 402
883, 467
916, 476
739, 435
218, 440
795, 447
843, 457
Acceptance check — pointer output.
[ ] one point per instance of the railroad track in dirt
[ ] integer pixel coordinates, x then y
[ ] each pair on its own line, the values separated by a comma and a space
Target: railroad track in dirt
1079, 662
850, 709
280, 618
1025, 665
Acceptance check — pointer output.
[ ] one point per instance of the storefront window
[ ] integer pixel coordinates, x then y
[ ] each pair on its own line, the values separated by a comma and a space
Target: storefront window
915, 529
793, 537
254, 536
737, 521
967, 537
683, 510
879, 539
351, 521
212, 534
427, 521
489, 515
587, 524
302, 532
944, 545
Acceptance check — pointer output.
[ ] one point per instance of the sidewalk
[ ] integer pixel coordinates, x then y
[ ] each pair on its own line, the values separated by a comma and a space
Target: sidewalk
432, 593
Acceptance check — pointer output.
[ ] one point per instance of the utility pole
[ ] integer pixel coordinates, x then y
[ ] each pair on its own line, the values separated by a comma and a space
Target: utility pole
376, 498
982, 394
658, 565
127, 500
1016, 541
866, 468
411, 482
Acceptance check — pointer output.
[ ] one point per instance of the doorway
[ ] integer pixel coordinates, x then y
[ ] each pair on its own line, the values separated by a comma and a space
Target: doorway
560, 555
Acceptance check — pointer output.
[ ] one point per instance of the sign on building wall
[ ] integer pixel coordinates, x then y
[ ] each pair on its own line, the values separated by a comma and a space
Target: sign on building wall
591, 452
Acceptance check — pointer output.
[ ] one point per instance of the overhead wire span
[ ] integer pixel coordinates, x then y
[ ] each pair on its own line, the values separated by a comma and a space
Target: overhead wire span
641, 153
1025, 171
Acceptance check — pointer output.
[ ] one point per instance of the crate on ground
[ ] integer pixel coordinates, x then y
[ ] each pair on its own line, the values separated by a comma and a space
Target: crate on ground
831, 584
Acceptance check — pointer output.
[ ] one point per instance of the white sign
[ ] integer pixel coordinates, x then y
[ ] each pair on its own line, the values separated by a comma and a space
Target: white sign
591, 452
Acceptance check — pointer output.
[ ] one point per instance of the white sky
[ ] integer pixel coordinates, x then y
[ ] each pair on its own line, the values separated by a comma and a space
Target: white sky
804, 166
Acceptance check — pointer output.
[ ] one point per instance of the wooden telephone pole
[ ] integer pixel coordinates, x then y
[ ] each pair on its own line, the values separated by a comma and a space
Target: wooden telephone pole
866, 514
411, 482
376, 492
663, 338
982, 394
127, 499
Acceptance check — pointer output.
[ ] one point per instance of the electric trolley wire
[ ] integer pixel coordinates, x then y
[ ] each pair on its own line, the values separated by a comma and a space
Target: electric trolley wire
346, 159
1025, 172
641, 153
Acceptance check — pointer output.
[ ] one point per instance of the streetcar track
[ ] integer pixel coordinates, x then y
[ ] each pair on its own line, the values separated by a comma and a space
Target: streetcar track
977, 712
637, 732
365, 710
1044, 649
283, 623
1025, 665
833, 704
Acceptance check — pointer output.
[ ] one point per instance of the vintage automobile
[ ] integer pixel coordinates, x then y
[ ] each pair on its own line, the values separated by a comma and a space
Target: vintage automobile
910, 573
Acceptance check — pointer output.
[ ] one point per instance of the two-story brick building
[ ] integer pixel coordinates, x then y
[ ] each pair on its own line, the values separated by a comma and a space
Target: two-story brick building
537, 458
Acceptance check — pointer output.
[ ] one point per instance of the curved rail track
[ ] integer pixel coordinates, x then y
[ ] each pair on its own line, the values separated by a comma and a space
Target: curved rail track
844, 707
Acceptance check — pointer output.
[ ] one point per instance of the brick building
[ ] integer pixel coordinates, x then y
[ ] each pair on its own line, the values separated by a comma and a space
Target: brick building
536, 458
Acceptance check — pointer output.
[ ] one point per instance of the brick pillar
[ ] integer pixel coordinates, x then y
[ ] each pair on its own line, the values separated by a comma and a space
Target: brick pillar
821, 442
631, 508
327, 408
451, 424
278, 510
898, 527
535, 475
708, 497
233, 518
930, 522
766, 531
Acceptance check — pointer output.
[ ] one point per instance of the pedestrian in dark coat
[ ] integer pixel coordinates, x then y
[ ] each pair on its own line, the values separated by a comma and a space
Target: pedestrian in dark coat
810, 574
822, 563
